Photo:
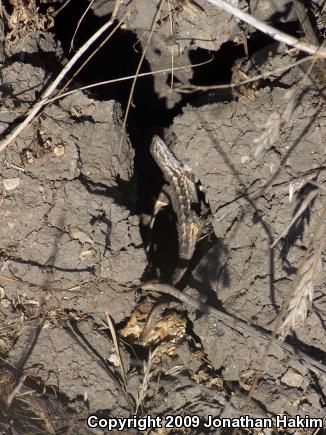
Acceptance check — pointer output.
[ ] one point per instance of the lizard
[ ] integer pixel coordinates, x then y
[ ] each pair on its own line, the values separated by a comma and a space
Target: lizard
181, 192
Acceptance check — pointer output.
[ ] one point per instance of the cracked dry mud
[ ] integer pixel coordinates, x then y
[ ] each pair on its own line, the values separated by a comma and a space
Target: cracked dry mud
72, 250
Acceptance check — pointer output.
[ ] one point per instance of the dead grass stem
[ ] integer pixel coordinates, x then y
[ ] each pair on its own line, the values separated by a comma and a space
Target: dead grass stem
121, 79
53, 86
303, 288
187, 89
148, 373
78, 25
276, 34
156, 15
118, 353
305, 204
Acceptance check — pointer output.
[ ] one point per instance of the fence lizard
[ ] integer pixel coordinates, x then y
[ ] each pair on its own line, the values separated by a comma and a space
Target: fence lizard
181, 192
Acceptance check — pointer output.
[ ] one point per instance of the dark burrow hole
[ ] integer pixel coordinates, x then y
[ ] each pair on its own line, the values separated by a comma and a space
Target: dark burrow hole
149, 113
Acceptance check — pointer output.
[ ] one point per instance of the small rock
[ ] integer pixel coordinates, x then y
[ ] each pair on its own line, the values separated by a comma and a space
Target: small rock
5, 303
11, 183
59, 150
114, 359
292, 378
83, 237
245, 159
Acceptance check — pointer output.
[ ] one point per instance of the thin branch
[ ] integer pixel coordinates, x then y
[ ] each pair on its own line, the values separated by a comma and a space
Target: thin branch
303, 15
238, 325
311, 35
187, 89
61, 8
119, 24
78, 25
276, 34
120, 79
16, 390
172, 48
157, 13
45, 101
33, 112
117, 349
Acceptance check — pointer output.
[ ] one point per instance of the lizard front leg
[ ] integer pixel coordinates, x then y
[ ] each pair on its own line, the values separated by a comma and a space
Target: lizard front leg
162, 201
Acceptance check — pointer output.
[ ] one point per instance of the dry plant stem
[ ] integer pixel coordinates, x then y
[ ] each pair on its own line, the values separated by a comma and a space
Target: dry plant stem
305, 78
16, 390
240, 326
61, 8
117, 349
8, 278
33, 112
78, 25
99, 360
311, 35
157, 13
189, 89
279, 322
269, 30
310, 197
302, 295
172, 51
193, 88
95, 51
46, 101
147, 376
303, 16
121, 79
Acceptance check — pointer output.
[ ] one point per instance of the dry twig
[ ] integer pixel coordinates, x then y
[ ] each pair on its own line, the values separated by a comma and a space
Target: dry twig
157, 13
117, 350
120, 79
78, 25
269, 30
53, 86
303, 16
187, 89
240, 326
16, 389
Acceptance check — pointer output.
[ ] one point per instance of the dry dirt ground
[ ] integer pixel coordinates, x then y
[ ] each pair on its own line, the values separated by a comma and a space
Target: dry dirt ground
76, 196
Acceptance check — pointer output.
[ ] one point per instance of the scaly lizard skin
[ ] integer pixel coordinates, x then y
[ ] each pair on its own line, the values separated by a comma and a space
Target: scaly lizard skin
181, 193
